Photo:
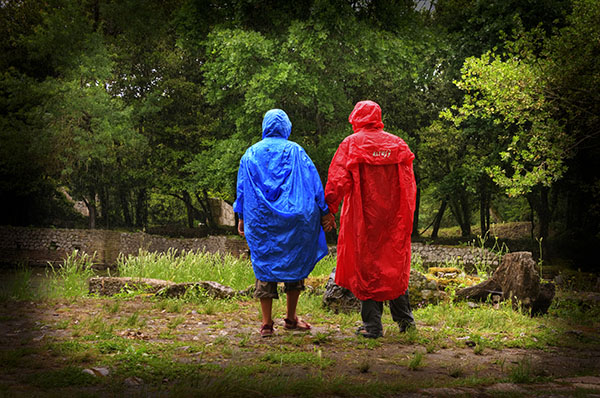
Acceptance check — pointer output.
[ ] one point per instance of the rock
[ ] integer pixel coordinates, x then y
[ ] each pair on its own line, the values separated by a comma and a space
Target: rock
133, 381
97, 372
101, 371
422, 291
337, 298
89, 372
506, 388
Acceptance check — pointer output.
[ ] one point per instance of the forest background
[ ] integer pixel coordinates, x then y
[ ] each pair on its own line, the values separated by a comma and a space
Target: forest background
142, 109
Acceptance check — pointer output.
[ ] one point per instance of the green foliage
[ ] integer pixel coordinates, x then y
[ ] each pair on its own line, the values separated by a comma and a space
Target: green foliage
312, 72
122, 104
510, 93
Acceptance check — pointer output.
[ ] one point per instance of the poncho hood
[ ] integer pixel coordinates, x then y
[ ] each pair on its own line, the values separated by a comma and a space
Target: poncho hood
276, 123
366, 116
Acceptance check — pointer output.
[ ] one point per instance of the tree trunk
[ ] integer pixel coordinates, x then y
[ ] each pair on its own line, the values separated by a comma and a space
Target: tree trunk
141, 211
190, 210
484, 212
91, 206
205, 204
538, 200
460, 207
415, 231
125, 207
92, 219
465, 226
539, 203
438, 219
481, 291
105, 207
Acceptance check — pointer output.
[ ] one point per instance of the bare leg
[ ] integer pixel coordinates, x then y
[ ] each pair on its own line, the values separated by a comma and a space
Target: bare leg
266, 306
292, 303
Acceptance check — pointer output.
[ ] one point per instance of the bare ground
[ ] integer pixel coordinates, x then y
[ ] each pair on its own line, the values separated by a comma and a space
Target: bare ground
232, 340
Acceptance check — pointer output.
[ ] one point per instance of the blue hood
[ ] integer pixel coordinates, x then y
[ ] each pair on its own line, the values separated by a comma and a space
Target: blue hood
276, 123
280, 198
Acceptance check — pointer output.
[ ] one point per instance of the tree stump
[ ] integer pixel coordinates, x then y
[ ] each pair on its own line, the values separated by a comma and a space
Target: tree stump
516, 279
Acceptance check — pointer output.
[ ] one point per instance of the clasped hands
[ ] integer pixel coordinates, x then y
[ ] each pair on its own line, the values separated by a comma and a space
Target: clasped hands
328, 222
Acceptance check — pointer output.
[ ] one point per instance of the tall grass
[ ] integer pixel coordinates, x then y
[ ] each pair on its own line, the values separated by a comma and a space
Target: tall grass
70, 278
191, 266
188, 266
66, 280
19, 286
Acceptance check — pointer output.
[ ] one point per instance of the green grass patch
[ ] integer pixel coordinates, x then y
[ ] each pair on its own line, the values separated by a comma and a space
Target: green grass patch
297, 358
70, 376
12, 358
489, 327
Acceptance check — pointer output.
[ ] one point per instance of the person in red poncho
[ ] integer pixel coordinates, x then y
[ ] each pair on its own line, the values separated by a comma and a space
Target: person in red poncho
372, 173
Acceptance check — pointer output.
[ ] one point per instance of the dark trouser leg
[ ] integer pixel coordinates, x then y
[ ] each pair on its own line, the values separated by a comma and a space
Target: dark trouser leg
370, 312
401, 312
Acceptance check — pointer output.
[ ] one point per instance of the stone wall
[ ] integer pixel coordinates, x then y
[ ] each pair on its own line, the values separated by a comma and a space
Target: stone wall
38, 246
469, 257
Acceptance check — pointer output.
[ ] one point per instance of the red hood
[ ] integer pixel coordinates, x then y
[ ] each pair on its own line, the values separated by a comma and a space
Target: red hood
366, 116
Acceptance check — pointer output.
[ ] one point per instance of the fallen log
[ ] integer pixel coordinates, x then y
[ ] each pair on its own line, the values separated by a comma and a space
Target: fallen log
110, 286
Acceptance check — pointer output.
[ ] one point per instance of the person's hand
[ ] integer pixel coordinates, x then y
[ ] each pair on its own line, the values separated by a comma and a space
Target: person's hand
241, 227
328, 222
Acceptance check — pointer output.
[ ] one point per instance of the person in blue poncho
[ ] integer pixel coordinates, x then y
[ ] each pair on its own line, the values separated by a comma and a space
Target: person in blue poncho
283, 214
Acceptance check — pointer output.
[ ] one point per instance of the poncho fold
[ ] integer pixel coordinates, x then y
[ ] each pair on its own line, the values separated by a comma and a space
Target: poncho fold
372, 172
281, 200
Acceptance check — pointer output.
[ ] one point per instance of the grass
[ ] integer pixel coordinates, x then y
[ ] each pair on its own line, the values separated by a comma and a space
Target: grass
297, 358
229, 360
60, 378
189, 266
69, 280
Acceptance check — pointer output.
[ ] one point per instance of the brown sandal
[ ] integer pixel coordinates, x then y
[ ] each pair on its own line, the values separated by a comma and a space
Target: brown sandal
296, 324
267, 330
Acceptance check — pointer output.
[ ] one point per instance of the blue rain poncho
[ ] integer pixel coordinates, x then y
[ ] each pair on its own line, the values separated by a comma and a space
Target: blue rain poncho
280, 198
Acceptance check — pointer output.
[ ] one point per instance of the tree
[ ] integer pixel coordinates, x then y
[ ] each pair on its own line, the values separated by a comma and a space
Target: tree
538, 93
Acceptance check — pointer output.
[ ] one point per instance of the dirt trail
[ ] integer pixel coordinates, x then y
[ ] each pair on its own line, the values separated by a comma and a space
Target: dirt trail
443, 372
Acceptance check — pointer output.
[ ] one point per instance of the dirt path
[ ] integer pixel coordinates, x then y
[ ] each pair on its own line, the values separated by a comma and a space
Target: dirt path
40, 331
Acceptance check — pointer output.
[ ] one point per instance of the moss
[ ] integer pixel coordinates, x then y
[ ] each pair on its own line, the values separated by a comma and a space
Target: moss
450, 276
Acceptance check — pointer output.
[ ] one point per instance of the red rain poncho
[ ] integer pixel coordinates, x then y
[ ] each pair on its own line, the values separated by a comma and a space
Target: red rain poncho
372, 172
